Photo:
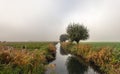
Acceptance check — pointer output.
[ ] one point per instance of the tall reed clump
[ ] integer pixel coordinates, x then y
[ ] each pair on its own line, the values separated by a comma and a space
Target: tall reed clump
22, 62
106, 58
51, 52
67, 45
52, 48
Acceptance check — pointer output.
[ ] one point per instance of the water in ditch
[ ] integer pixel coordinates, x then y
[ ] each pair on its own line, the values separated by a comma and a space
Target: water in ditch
69, 64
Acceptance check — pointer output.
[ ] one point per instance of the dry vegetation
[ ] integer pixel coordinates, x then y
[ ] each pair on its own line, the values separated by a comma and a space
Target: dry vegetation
24, 61
106, 58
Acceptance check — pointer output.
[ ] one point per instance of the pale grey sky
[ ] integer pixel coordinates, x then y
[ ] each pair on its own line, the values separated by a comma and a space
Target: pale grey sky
46, 20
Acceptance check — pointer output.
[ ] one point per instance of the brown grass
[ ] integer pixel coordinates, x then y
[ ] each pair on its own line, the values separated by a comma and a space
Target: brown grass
102, 57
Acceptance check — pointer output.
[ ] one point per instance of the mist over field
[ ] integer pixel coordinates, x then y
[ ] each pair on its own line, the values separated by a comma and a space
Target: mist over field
46, 20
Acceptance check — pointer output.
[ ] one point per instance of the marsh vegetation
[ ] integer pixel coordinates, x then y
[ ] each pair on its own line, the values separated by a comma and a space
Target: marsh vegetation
105, 56
25, 57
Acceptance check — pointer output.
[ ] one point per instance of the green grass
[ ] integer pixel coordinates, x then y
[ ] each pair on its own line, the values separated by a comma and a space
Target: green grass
27, 45
115, 45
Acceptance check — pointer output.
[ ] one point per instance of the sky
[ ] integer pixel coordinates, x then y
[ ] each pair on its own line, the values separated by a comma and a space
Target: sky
46, 20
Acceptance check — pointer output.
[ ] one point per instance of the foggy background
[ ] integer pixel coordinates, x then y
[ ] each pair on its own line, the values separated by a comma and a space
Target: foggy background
46, 20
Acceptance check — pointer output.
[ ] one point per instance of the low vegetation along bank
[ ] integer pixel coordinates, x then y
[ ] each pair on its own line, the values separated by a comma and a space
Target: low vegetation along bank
106, 58
25, 58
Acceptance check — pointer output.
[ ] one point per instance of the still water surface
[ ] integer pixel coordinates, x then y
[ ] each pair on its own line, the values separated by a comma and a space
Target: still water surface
69, 64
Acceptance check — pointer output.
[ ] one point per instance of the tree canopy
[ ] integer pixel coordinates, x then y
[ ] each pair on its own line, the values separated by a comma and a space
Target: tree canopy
77, 32
64, 37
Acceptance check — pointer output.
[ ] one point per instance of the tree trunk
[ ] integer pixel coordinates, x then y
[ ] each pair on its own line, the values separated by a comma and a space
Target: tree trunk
77, 42
77, 45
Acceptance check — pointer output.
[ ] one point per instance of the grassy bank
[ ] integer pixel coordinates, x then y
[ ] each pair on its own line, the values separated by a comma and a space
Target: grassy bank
25, 57
106, 56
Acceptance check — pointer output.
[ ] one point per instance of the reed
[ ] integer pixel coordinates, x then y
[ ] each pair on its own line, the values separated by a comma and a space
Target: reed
25, 61
106, 58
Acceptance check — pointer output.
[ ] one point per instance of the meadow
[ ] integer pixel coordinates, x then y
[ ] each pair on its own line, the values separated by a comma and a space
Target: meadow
34, 57
115, 45
25, 57
103, 55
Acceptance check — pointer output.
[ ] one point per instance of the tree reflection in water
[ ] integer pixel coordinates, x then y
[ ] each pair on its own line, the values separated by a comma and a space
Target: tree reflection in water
75, 66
